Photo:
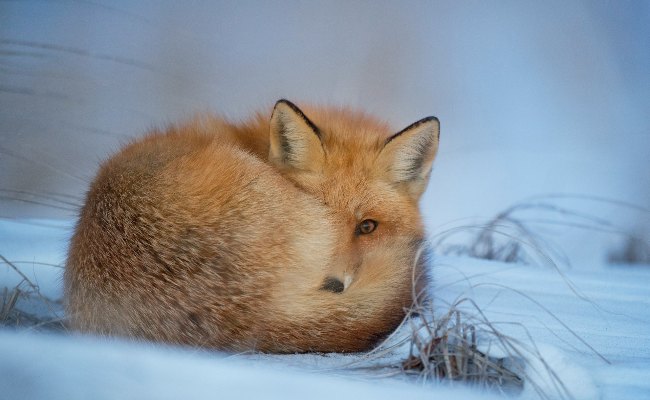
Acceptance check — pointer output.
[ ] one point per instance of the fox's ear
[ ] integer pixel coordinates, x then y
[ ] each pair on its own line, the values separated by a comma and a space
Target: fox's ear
408, 155
295, 140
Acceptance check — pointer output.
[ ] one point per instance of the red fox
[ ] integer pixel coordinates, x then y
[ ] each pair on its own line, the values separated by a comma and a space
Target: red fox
299, 233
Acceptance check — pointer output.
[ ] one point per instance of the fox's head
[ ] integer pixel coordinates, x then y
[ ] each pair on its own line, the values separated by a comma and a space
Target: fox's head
370, 179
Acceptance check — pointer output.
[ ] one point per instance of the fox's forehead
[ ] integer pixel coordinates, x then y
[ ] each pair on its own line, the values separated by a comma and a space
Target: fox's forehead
355, 191
351, 129
351, 140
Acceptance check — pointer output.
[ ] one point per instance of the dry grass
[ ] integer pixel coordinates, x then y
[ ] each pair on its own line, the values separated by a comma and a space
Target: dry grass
515, 235
457, 346
633, 250
57, 201
447, 348
27, 296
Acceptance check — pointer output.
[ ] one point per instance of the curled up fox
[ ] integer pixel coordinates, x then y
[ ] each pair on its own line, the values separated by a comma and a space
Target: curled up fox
298, 232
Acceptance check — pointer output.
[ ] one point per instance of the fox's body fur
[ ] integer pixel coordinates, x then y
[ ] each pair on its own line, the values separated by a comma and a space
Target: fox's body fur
249, 236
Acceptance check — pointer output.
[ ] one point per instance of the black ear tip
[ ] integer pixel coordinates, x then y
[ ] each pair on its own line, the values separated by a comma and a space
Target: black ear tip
416, 124
285, 102
297, 111
431, 118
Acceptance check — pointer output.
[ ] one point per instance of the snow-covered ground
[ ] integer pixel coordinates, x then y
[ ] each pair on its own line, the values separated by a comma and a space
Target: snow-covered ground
589, 325
50, 367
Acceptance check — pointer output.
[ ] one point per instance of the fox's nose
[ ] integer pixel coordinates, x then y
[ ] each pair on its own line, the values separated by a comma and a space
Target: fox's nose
333, 285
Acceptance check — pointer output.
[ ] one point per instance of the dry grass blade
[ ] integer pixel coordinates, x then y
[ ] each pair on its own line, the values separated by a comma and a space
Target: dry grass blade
634, 250
509, 236
9, 300
35, 160
13, 315
60, 199
451, 354
19, 272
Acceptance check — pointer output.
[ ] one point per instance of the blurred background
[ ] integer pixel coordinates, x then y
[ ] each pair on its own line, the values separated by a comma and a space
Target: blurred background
534, 98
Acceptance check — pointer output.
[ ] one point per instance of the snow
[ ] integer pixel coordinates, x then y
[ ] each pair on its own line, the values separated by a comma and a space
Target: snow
68, 368
589, 326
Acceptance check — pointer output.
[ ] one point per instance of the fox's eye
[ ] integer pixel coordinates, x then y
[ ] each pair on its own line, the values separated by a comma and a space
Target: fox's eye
366, 226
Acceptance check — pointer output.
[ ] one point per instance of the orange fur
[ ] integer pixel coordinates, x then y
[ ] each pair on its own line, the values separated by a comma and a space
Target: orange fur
222, 235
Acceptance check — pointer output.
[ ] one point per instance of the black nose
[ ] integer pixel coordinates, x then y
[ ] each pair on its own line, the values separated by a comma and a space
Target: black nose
333, 285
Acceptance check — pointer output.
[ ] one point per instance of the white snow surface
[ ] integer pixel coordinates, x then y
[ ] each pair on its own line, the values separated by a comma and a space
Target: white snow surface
590, 328
51, 367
